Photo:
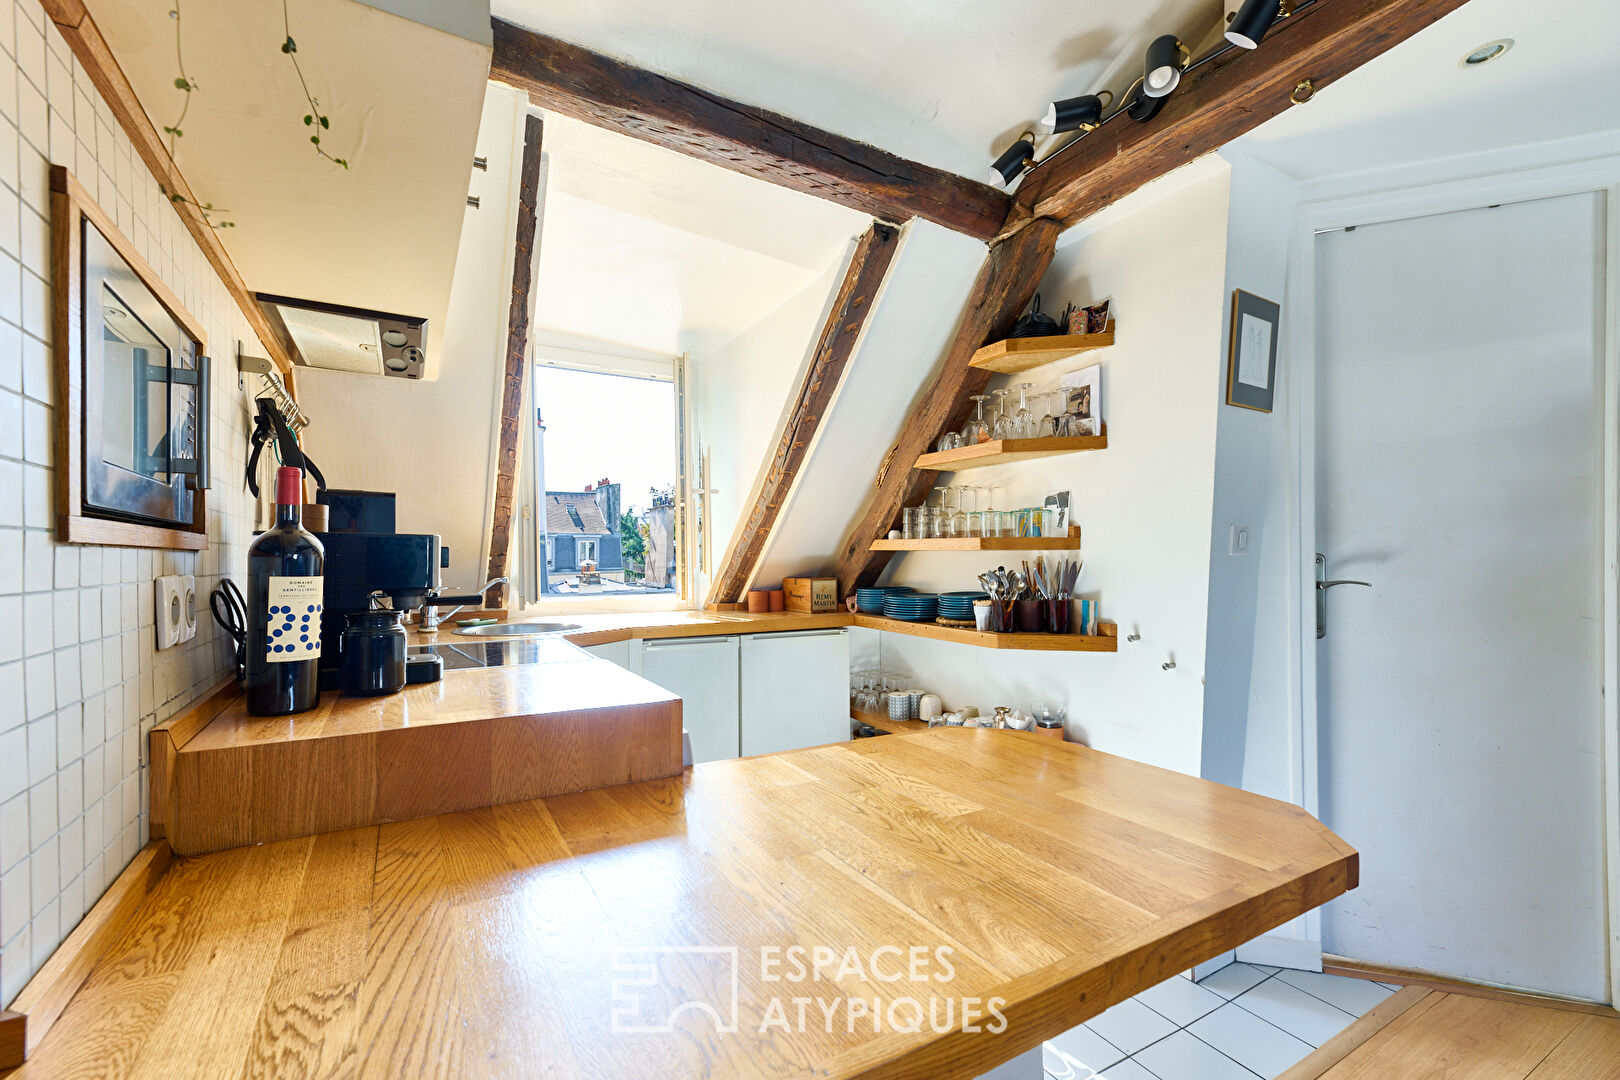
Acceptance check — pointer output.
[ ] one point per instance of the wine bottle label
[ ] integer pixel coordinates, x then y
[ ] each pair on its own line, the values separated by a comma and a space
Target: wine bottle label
293, 631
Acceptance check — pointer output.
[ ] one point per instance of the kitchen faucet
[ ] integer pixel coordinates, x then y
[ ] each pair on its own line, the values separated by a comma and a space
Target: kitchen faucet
429, 618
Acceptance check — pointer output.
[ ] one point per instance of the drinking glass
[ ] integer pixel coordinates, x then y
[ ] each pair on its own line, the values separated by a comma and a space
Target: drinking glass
977, 430
1023, 419
973, 524
913, 523
1049, 418
1004, 426
951, 440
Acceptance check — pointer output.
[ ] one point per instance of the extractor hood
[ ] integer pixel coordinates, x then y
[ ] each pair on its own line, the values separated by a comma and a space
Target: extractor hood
339, 338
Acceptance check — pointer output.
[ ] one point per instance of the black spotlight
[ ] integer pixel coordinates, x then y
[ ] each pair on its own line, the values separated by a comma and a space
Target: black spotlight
1083, 113
1140, 107
1165, 59
1010, 165
1254, 19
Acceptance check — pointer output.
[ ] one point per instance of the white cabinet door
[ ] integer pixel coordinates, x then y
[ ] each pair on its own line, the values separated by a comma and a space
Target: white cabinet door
622, 653
795, 690
703, 671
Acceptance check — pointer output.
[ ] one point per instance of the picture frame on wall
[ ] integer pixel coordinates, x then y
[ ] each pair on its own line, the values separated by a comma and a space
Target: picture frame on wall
1251, 365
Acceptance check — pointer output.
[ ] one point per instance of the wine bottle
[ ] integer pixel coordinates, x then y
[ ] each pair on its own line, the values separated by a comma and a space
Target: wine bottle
284, 595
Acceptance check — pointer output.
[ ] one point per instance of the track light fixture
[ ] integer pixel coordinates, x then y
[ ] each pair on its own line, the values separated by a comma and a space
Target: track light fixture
1082, 113
1254, 19
1012, 163
1166, 58
1139, 107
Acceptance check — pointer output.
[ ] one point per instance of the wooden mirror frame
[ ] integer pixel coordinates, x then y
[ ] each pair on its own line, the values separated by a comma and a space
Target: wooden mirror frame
71, 205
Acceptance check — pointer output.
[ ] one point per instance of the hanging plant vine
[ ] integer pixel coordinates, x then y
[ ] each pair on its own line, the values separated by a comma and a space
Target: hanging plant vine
314, 118
183, 82
186, 84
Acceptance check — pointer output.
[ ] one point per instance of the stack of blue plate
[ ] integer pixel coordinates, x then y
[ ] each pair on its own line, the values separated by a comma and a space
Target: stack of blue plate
958, 605
911, 607
870, 601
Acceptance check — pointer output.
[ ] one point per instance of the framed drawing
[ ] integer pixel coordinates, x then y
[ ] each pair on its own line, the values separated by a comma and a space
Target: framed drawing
1251, 364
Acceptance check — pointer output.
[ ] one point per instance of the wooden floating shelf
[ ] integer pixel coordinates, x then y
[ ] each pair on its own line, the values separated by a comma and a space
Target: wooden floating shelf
882, 722
1105, 641
1001, 451
986, 543
1021, 354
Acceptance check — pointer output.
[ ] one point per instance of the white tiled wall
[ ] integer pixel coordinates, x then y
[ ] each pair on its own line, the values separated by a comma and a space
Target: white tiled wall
80, 681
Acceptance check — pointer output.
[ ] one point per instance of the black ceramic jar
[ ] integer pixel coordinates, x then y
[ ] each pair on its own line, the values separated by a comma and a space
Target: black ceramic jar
373, 653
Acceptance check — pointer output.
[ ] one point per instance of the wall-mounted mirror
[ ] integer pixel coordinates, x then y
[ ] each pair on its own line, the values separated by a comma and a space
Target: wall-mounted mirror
132, 429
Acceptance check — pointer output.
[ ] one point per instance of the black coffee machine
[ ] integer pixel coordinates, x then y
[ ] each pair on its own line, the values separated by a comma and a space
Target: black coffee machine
402, 566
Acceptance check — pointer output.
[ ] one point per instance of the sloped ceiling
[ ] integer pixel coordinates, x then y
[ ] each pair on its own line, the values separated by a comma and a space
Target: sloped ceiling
944, 82
404, 101
648, 249
1415, 104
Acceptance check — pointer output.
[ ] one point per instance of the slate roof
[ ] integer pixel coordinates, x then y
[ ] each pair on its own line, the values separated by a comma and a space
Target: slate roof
574, 512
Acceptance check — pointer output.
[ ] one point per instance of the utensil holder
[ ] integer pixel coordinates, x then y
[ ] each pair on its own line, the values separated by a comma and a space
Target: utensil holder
1028, 616
1057, 615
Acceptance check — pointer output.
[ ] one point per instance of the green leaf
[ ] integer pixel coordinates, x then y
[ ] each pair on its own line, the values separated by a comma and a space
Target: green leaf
316, 139
182, 84
289, 46
341, 161
308, 120
325, 123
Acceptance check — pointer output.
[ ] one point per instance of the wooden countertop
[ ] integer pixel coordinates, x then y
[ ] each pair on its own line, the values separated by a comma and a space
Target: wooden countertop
484, 943
604, 628
566, 679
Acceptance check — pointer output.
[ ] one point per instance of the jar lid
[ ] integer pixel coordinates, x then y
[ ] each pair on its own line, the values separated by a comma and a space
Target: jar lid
378, 619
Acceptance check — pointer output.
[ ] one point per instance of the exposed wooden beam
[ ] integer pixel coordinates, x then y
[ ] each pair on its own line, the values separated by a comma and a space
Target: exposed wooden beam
1004, 286
850, 307
517, 359
1216, 102
96, 57
678, 116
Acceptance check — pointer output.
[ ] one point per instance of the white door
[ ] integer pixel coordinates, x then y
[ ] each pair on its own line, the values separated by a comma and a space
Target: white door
703, 672
795, 690
1459, 460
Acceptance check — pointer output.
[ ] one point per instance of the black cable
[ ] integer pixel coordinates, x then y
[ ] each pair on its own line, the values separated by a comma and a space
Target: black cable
233, 619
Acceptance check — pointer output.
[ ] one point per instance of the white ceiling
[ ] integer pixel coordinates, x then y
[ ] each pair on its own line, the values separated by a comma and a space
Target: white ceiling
382, 234
646, 248
944, 82
1415, 104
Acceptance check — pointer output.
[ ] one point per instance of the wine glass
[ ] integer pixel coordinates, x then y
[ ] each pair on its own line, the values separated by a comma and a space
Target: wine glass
1004, 426
1049, 419
974, 525
976, 430
937, 516
1024, 420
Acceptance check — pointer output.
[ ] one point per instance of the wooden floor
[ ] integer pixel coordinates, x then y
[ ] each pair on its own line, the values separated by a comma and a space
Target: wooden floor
493, 942
1458, 1036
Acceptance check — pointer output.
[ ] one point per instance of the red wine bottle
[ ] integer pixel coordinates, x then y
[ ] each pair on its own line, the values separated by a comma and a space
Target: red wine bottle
284, 596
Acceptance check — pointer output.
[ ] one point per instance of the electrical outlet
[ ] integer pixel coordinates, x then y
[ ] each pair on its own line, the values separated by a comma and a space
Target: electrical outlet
1239, 542
188, 607
171, 611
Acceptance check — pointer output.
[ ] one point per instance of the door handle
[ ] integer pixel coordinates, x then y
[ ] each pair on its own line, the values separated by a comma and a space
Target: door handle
1322, 586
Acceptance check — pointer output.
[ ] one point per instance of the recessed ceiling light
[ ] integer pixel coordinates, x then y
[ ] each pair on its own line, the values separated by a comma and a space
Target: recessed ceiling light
1487, 52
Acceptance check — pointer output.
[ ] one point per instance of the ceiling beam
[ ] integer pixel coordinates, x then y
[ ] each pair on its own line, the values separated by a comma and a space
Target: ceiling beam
96, 57
517, 353
1216, 102
1004, 286
850, 308
614, 95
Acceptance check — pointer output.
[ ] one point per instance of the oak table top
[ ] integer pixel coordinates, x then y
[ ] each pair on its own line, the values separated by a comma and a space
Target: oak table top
980, 891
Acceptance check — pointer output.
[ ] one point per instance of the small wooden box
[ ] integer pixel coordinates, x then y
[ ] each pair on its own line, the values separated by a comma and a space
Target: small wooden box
812, 595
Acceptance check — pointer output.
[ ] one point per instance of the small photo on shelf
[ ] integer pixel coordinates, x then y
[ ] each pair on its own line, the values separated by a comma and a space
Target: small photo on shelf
1092, 319
1084, 411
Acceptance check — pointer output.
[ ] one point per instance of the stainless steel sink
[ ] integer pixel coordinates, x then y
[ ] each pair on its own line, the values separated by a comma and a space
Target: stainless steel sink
516, 629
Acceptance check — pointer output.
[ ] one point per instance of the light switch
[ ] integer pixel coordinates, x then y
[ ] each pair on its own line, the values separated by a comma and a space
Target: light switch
1239, 544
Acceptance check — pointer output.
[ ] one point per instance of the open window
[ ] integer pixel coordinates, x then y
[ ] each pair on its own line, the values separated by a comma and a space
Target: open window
606, 470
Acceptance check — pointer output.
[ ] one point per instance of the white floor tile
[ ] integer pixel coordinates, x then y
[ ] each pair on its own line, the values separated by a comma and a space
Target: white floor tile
1131, 1025
1233, 979
1127, 1070
1295, 1011
1354, 996
1081, 1051
1181, 1001
1249, 1040
1182, 1057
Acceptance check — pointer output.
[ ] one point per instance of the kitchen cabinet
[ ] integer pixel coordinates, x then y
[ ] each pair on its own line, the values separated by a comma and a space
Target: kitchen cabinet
623, 653
794, 690
703, 671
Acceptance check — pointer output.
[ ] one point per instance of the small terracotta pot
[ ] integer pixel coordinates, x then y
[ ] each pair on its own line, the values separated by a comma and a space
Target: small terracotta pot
759, 600
1029, 616
776, 599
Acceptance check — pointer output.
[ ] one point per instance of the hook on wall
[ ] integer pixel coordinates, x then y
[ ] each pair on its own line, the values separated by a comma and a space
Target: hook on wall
1169, 665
